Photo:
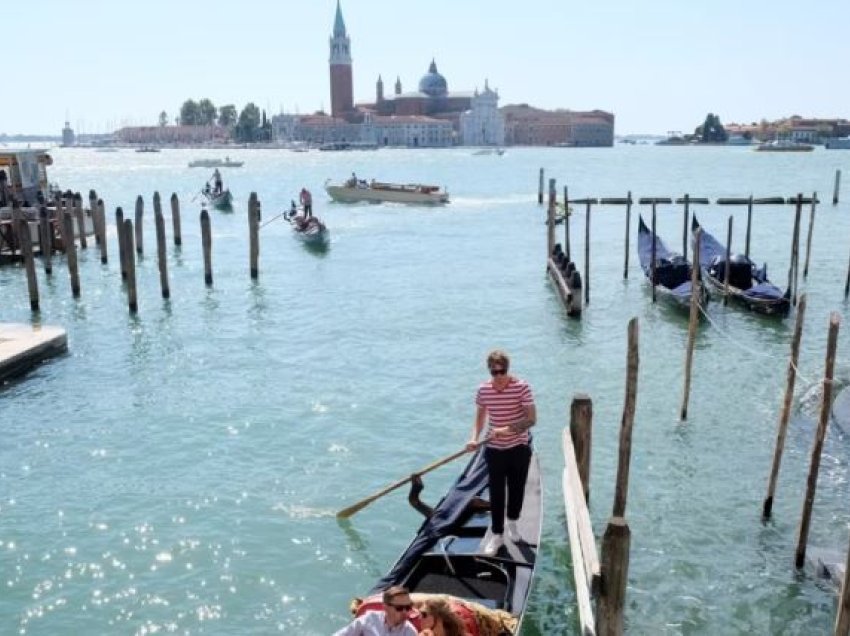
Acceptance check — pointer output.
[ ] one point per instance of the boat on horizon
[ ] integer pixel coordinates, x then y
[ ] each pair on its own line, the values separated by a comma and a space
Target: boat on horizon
838, 143
784, 145
359, 190
147, 149
216, 163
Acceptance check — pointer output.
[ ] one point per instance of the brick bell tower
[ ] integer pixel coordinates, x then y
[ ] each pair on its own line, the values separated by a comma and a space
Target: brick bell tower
342, 98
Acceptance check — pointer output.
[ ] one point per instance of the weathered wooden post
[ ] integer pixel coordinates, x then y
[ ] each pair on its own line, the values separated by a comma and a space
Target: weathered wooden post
835, 189
785, 415
140, 212
809, 235
80, 217
687, 217
728, 267
122, 249
45, 239
60, 223
101, 222
617, 538
567, 224
652, 255
175, 218
587, 252
823, 421
93, 213
540, 189
254, 234
749, 226
842, 620
550, 219
795, 239
693, 321
132, 298
26, 252
162, 261
581, 433
71, 254
206, 242
628, 225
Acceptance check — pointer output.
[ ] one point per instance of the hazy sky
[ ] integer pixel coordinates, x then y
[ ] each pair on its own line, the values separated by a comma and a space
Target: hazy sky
658, 65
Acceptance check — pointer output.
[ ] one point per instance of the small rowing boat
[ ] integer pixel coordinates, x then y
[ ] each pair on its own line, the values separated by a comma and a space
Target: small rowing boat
672, 271
219, 200
359, 190
311, 231
447, 558
747, 284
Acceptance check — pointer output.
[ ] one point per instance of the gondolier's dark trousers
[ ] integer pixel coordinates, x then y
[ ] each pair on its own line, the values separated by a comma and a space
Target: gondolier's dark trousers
507, 469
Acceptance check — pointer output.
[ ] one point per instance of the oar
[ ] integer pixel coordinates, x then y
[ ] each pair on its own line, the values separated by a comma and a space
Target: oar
282, 214
347, 512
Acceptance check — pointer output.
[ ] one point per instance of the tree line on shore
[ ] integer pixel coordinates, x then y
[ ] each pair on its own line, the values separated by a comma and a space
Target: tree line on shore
249, 125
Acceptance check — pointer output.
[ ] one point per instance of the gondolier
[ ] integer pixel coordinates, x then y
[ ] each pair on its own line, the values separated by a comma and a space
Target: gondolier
306, 202
508, 403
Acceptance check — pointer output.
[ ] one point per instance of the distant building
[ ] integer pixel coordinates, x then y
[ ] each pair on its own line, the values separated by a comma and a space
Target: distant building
172, 134
529, 126
796, 128
483, 124
68, 138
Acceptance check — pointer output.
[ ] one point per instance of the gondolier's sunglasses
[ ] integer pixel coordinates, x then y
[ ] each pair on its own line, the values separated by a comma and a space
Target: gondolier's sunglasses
495, 371
401, 608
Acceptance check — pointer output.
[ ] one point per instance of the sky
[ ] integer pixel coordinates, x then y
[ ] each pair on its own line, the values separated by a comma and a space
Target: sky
658, 65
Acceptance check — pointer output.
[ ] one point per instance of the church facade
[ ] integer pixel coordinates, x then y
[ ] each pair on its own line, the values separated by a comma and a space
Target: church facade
431, 115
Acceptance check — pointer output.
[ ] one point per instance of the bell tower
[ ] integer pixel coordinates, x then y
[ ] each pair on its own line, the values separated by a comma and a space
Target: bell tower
342, 98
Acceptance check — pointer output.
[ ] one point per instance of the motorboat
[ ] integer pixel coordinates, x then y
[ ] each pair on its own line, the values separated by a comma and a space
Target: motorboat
359, 190
838, 143
784, 145
227, 162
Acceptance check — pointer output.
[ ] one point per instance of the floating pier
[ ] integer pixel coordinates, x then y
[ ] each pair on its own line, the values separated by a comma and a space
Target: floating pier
24, 346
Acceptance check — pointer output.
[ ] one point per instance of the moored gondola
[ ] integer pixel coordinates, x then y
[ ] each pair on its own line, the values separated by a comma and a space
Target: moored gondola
748, 284
447, 558
672, 271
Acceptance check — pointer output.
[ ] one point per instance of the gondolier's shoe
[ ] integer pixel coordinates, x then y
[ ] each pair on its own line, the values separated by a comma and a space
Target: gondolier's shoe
493, 545
512, 532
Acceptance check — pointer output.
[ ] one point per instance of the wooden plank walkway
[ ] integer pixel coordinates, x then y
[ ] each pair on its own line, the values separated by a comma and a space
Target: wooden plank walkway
24, 346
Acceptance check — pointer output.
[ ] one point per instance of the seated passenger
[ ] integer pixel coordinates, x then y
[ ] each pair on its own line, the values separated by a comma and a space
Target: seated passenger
439, 619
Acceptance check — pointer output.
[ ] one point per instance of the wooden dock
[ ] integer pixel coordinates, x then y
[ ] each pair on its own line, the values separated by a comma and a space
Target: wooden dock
24, 346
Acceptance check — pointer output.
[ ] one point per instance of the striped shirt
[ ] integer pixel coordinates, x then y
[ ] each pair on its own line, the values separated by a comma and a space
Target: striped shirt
504, 408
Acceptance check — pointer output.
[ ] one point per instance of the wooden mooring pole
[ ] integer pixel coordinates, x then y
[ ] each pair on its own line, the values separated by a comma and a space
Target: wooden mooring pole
628, 225
206, 242
119, 225
132, 298
550, 219
93, 214
540, 189
45, 239
566, 223
101, 222
80, 217
616, 541
823, 421
836, 188
29, 261
749, 226
785, 415
140, 213
588, 203
685, 222
175, 218
162, 261
652, 263
728, 266
254, 234
795, 240
71, 254
842, 620
692, 325
809, 235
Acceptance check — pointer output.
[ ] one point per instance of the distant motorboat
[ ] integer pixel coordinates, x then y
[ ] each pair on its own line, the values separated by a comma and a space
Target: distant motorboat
354, 191
838, 143
216, 163
784, 145
489, 151
739, 140
349, 145
147, 149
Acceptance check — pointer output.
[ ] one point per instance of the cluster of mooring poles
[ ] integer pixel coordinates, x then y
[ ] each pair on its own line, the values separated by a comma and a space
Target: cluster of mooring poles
601, 577
59, 226
569, 283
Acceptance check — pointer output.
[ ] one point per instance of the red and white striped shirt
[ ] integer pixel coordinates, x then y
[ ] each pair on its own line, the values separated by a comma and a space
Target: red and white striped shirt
504, 408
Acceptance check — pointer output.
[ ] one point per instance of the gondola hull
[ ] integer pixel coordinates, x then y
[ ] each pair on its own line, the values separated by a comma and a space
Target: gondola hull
760, 295
447, 556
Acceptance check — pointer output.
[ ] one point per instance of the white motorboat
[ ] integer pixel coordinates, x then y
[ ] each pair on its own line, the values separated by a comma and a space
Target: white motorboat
216, 163
354, 191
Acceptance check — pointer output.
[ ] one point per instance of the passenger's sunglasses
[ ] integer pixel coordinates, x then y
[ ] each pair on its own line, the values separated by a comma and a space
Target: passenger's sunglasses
494, 372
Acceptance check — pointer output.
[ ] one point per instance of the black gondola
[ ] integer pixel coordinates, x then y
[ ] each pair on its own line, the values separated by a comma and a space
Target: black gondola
748, 284
672, 271
447, 556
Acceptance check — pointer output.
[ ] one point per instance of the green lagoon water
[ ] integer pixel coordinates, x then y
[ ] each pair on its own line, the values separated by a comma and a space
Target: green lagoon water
179, 471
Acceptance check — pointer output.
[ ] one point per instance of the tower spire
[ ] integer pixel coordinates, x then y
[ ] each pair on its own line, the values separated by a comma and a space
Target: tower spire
339, 23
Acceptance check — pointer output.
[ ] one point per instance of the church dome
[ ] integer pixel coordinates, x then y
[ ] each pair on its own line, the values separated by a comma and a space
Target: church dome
432, 83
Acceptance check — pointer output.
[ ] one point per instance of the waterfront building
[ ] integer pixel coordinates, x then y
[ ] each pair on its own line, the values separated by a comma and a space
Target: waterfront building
529, 126
483, 124
68, 138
